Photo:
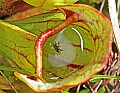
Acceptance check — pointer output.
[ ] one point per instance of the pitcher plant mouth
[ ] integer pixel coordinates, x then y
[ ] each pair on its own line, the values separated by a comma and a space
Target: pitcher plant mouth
44, 86
47, 34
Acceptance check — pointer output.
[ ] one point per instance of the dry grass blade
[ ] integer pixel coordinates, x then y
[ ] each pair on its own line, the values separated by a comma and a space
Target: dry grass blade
102, 5
8, 81
114, 19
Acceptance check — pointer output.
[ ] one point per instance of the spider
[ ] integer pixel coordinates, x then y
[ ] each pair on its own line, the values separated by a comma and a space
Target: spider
57, 48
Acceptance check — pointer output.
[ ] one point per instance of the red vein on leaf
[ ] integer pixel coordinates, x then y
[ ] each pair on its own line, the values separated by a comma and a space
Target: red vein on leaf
21, 30
19, 54
89, 31
13, 62
42, 21
75, 66
15, 43
76, 45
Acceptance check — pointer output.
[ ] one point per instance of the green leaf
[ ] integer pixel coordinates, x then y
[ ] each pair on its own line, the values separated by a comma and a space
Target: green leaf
106, 77
65, 64
95, 80
85, 91
39, 23
66, 90
16, 47
102, 90
48, 4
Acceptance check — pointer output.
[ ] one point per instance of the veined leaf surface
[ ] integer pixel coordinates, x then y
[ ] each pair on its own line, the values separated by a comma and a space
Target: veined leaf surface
65, 64
48, 4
